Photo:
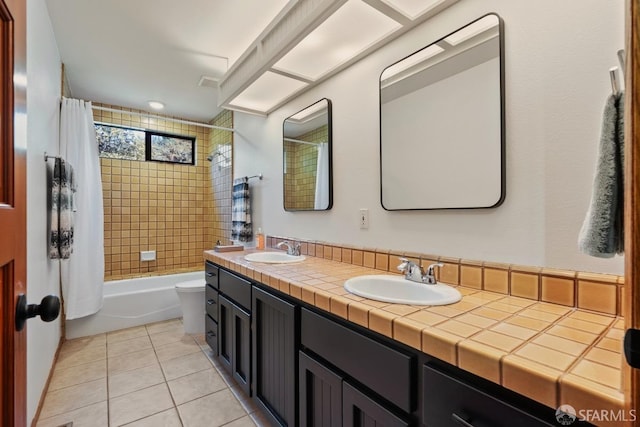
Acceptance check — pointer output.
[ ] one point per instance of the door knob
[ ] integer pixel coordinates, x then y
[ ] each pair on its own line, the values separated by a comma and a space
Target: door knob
48, 310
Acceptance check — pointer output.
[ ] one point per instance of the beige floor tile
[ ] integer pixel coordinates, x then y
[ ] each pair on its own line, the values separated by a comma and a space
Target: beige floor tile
167, 418
78, 374
95, 415
181, 366
212, 410
126, 334
83, 343
139, 404
81, 356
242, 422
119, 348
154, 328
75, 397
179, 348
191, 387
131, 361
137, 379
168, 337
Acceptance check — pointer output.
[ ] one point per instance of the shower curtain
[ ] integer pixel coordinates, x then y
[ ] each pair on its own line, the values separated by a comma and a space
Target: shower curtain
322, 177
82, 275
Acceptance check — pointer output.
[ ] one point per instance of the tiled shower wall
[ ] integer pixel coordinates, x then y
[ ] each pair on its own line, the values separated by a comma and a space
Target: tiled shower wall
220, 168
300, 179
155, 206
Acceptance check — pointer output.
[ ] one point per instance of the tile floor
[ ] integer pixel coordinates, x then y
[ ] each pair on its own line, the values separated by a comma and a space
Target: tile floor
152, 375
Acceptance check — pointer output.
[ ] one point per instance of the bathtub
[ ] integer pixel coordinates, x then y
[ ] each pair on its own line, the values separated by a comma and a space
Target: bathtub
133, 302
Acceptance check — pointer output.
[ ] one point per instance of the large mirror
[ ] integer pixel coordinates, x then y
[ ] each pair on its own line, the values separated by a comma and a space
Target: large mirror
442, 123
306, 142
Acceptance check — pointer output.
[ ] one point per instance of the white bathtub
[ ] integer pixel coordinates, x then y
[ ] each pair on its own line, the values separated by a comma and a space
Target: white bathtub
133, 302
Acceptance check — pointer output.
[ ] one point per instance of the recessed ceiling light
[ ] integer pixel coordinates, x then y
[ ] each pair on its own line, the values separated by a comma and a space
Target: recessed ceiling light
156, 105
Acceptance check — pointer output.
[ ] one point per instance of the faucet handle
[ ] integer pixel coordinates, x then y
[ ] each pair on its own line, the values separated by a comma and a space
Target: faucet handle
405, 265
431, 268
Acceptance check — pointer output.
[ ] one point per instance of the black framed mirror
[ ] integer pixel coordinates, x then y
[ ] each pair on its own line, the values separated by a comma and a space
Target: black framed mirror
442, 136
307, 153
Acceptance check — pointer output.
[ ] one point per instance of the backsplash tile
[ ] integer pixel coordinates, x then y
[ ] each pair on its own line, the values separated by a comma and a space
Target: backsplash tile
600, 293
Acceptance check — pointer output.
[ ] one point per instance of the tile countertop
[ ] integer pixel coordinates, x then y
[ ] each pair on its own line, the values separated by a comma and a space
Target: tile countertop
551, 353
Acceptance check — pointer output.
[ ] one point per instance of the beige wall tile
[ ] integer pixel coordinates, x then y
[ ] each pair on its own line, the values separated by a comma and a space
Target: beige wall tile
524, 285
471, 276
496, 280
382, 262
597, 297
369, 259
558, 291
357, 257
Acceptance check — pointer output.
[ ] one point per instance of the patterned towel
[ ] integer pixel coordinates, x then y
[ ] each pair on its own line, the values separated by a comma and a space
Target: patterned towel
241, 211
62, 206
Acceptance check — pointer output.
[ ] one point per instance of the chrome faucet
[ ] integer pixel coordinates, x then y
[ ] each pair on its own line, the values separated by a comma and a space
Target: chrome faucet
414, 272
291, 249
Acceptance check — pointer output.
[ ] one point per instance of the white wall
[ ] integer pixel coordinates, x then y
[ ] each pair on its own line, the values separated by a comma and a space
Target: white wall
557, 60
43, 109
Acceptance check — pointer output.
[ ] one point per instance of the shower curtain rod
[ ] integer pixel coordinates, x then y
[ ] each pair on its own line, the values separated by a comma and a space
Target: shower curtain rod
302, 142
169, 119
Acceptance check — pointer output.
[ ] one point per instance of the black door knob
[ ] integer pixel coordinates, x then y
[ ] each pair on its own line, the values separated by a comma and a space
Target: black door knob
48, 310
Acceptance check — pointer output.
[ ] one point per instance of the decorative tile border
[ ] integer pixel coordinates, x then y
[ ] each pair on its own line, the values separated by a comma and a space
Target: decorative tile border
589, 291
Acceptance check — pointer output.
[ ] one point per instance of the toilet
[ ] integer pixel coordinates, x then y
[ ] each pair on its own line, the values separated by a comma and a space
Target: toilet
191, 294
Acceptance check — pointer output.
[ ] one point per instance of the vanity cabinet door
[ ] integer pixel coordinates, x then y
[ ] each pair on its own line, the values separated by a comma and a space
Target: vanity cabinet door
225, 333
234, 341
274, 355
448, 401
241, 353
320, 394
358, 410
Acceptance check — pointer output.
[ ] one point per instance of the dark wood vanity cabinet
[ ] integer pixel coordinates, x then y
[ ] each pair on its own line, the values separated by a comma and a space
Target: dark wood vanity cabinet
306, 367
234, 327
274, 355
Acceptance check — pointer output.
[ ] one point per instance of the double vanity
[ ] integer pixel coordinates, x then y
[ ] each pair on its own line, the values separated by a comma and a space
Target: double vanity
310, 352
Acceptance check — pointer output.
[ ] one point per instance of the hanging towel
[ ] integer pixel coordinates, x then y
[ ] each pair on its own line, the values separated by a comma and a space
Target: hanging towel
62, 206
241, 211
602, 233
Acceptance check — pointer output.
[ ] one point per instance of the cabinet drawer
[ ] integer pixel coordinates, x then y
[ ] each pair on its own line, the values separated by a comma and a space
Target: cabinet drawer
383, 369
448, 401
236, 288
211, 333
211, 299
211, 274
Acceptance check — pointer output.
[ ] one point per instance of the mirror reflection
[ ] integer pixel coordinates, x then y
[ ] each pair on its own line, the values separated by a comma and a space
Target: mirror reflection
441, 123
307, 158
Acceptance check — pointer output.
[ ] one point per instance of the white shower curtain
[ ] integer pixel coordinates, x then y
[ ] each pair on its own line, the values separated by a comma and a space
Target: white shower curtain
83, 273
322, 177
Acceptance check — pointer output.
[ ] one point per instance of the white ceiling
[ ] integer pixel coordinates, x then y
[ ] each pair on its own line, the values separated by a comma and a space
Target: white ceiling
128, 52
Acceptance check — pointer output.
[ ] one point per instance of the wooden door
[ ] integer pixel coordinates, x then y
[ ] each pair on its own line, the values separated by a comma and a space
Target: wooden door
359, 410
13, 227
320, 394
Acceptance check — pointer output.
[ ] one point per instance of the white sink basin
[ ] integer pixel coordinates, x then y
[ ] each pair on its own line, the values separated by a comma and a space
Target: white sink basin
399, 290
273, 257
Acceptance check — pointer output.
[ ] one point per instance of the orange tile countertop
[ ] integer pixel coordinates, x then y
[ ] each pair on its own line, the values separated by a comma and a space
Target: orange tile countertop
551, 353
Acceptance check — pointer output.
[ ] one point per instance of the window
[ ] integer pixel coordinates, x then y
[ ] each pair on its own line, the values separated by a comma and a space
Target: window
117, 142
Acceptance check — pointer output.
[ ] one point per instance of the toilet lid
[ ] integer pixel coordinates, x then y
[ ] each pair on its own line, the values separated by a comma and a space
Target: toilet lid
192, 284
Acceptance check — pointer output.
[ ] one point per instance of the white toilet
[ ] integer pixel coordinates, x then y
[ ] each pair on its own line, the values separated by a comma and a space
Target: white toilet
191, 294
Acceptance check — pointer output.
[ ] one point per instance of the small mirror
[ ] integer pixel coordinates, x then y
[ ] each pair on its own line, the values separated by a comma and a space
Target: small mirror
442, 123
306, 146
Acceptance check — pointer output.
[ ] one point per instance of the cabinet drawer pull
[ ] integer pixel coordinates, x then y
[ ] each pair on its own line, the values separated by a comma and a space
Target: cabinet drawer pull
211, 334
210, 302
211, 274
459, 420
